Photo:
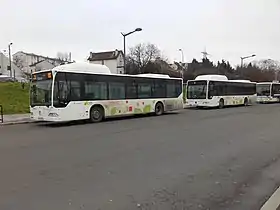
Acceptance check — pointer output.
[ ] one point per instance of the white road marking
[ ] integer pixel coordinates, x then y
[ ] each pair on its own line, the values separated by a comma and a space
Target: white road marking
273, 202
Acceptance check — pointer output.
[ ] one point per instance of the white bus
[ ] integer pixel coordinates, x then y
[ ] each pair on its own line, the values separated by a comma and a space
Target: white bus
81, 91
268, 92
218, 91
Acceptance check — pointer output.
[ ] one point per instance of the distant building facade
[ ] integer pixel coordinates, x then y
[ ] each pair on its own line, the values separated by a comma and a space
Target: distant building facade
114, 60
4, 65
41, 65
27, 62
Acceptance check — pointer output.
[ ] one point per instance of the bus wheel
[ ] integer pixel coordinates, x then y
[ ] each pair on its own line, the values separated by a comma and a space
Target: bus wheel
159, 109
246, 102
221, 103
96, 114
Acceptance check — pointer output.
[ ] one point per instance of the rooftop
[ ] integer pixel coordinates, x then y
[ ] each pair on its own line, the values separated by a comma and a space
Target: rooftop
35, 55
34, 64
109, 55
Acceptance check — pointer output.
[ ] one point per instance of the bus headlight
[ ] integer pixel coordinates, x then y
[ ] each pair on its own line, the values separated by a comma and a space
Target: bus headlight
53, 115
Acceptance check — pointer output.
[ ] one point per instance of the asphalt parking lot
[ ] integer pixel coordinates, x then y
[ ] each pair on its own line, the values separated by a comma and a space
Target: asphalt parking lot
193, 159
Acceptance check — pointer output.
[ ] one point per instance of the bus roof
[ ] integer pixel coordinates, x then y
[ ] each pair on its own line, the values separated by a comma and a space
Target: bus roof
214, 77
153, 75
267, 83
241, 80
83, 68
89, 68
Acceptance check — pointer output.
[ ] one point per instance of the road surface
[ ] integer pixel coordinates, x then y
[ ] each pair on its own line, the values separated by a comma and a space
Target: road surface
196, 159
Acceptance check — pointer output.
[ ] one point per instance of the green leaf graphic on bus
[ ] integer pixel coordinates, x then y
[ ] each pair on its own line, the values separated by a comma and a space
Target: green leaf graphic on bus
137, 111
147, 109
113, 111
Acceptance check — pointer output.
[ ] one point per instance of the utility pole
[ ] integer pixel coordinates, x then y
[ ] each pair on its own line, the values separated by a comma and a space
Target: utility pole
205, 54
124, 55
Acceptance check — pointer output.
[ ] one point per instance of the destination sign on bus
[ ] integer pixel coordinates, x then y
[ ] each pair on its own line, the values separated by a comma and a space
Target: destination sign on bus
42, 76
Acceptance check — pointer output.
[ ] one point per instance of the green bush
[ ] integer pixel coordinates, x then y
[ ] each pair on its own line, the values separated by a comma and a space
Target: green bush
14, 98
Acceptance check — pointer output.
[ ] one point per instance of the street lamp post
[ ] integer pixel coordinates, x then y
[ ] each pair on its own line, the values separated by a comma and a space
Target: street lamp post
243, 58
182, 61
10, 60
182, 54
124, 46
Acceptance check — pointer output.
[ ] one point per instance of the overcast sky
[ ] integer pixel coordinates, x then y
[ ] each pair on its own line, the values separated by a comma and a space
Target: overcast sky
227, 28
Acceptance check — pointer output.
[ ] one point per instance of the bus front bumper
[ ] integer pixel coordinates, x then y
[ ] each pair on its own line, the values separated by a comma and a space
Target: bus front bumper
266, 99
198, 103
44, 114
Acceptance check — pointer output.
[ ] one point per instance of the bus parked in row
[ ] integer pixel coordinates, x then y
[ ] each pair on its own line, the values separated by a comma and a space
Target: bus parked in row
268, 92
80, 91
218, 91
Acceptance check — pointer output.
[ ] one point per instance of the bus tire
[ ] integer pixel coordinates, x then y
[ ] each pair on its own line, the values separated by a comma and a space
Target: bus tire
159, 109
246, 102
221, 103
96, 113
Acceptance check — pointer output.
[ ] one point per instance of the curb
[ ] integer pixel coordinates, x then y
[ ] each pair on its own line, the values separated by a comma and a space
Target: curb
273, 202
16, 123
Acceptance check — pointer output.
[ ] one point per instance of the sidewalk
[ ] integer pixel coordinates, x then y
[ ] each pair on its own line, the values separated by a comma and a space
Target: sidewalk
16, 119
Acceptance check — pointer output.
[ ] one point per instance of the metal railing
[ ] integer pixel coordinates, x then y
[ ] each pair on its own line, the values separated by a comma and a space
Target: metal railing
1, 114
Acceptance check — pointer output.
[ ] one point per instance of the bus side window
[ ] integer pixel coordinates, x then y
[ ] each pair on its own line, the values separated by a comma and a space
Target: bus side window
275, 90
222, 89
171, 89
131, 89
212, 90
178, 88
159, 90
116, 90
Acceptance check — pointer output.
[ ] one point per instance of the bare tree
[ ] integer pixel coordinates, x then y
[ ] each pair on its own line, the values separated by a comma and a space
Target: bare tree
142, 54
64, 56
268, 64
18, 62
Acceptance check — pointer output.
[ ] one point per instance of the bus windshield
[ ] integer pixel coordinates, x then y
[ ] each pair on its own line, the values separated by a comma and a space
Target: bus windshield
41, 89
196, 89
263, 89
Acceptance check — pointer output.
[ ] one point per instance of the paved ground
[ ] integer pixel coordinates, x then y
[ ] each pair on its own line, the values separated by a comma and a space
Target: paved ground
198, 159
